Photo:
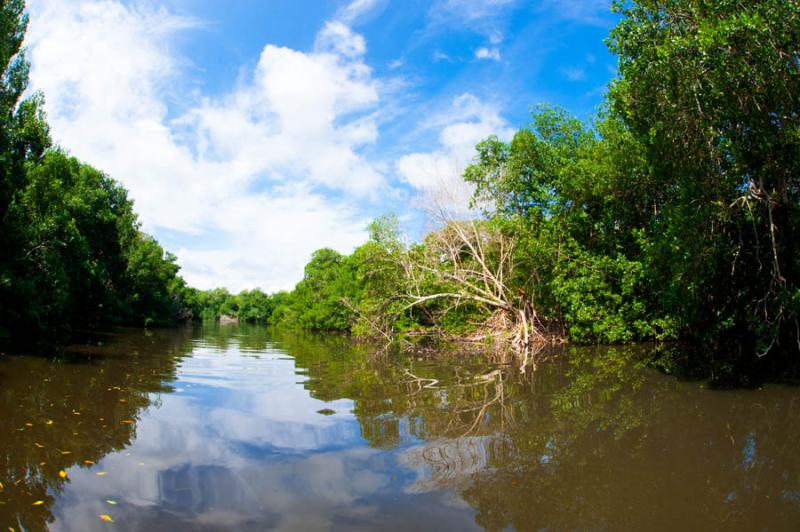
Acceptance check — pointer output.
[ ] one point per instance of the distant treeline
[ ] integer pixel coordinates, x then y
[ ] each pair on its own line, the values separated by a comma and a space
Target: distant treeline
674, 214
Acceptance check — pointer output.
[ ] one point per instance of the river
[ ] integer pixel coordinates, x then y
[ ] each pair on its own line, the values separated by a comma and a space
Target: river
241, 428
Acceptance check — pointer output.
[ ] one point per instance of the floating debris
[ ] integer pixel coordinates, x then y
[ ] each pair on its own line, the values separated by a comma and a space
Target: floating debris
106, 517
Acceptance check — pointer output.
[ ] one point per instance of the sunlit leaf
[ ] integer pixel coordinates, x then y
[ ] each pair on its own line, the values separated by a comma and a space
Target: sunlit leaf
38, 503
111, 501
62, 474
128, 421
49, 422
65, 453
101, 473
1, 486
106, 517
88, 462
39, 445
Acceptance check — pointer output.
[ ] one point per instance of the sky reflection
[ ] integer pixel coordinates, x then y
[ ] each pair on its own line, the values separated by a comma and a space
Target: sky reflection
241, 444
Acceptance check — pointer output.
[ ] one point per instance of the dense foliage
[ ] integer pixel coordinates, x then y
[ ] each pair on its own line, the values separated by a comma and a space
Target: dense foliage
672, 216
71, 251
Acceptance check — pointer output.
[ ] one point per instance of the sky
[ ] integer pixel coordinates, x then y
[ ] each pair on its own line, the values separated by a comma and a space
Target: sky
251, 133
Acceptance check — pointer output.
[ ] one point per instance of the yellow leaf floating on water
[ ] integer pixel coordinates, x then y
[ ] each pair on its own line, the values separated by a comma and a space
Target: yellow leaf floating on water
38, 503
111, 501
88, 462
28, 424
49, 422
1, 486
65, 453
42, 464
106, 517
101, 473
39, 445
128, 421
62, 474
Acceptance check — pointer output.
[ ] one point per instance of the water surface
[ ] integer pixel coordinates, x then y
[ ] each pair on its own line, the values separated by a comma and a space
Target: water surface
236, 427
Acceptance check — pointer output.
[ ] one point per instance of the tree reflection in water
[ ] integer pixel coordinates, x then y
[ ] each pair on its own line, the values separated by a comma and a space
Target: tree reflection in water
595, 438
72, 409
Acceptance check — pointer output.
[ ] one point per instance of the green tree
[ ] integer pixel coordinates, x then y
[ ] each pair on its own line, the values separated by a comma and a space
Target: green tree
575, 199
324, 299
711, 89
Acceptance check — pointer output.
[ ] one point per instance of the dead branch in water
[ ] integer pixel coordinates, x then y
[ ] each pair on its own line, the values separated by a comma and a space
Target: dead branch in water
476, 261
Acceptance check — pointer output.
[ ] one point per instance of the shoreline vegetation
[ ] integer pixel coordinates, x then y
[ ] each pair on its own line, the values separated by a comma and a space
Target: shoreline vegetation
671, 216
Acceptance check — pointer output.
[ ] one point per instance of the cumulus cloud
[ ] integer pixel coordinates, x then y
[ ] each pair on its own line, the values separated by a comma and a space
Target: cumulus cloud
488, 53
336, 37
256, 171
437, 173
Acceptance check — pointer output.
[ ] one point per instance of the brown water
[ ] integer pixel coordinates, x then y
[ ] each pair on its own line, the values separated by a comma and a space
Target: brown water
238, 428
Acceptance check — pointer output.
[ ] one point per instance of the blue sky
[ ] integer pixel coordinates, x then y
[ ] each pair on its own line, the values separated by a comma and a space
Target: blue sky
251, 133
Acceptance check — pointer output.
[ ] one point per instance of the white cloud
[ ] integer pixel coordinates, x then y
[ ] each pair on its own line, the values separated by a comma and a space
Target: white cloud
438, 172
488, 53
337, 37
252, 170
357, 9
285, 230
